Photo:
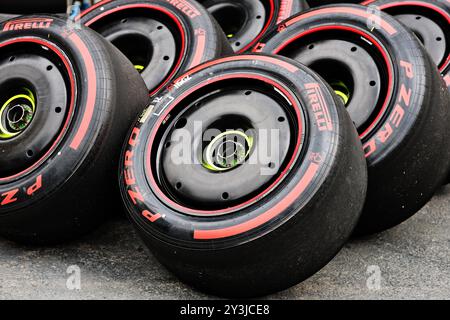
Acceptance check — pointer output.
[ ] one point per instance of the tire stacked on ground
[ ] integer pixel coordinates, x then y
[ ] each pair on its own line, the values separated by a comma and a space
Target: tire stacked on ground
318, 3
430, 22
63, 116
244, 174
255, 225
246, 21
162, 39
394, 94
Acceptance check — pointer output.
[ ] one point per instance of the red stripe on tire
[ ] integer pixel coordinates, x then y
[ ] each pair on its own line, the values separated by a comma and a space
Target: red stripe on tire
447, 80
265, 217
383, 52
92, 91
286, 10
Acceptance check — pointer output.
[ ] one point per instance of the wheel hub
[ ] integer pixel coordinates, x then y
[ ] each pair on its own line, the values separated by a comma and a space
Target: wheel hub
34, 97
242, 21
16, 114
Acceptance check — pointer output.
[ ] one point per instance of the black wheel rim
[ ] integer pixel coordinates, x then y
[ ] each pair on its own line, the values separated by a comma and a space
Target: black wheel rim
207, 182
35, 97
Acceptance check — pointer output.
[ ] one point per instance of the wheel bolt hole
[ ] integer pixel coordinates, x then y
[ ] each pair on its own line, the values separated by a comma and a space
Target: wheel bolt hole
281, 119
168, 144
247, 93
124, 20
58, 109
372, 83
12, 59
258, 17
30, 153
353, 49
438, 39
49, 68
237, 44
181, 123
418, 18
178, 185
159, 27
271, 165
311, 46
225, 196
166, 58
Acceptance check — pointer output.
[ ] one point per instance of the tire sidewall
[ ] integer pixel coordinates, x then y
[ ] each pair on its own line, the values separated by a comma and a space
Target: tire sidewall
319, 151
73, 154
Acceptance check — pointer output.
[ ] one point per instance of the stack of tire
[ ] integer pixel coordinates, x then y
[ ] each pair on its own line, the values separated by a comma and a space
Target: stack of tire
263, 134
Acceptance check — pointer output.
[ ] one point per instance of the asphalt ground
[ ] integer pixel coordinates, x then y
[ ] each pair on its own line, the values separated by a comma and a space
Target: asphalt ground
411, 261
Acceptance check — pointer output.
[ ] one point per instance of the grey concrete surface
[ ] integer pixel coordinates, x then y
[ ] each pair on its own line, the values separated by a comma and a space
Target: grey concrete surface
413, 260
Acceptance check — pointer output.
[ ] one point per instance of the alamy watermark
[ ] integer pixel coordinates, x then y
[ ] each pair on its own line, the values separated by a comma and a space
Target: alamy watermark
374, 279
221, 150
74, 278
374, 20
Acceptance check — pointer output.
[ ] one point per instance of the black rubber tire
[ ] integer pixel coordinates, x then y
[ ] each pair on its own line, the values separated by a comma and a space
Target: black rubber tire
275, 12
413, 161
33, 6
318, 3
69, 191
314, 209
437, 10
204, 40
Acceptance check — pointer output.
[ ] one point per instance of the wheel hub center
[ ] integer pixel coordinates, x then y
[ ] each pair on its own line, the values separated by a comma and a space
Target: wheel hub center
227, 151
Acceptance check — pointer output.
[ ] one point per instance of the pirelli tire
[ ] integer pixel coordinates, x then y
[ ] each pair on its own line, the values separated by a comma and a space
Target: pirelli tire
396, 97
162, 39
67, 98
33, 6
209, 225
246, 21
319, 3
430, 21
